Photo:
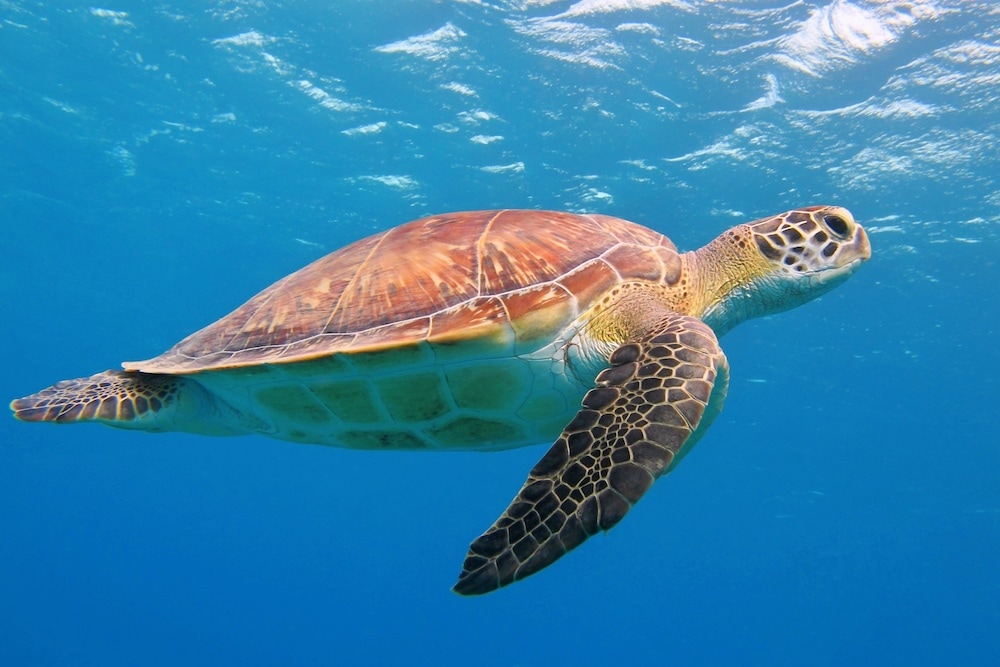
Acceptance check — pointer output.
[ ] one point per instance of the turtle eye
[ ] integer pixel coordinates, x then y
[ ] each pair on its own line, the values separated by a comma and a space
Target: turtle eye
836, 224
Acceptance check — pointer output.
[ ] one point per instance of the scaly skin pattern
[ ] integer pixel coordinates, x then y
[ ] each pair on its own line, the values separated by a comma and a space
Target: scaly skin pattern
488, 330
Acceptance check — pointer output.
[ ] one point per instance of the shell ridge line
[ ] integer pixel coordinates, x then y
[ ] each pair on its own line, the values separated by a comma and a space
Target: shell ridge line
540, 284
614, 269
239, 332
605, 228
603, 257
506, 312
479, 250
574, 298
347, 288
354, 341
559, 285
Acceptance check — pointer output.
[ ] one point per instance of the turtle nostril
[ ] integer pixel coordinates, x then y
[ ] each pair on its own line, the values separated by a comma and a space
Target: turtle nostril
836, 224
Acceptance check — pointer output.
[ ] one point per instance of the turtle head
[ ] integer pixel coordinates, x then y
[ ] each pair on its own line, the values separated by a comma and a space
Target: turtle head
812, 247
780, 262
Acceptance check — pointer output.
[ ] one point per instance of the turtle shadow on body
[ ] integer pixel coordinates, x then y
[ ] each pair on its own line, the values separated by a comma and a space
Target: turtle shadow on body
489, 330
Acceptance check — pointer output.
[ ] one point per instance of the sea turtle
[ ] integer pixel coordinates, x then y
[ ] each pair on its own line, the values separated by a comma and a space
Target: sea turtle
486, 330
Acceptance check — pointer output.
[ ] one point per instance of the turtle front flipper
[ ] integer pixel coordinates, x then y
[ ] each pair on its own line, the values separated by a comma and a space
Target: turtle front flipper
647, 410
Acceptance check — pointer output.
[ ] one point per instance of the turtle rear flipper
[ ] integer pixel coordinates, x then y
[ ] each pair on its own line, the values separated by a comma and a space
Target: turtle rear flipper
132, 400
647, 410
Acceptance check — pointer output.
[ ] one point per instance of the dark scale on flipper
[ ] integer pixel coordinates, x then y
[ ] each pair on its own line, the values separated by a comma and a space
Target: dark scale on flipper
633, 427
625, 354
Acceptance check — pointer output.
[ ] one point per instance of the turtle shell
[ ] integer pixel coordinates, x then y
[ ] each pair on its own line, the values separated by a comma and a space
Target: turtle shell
441, 279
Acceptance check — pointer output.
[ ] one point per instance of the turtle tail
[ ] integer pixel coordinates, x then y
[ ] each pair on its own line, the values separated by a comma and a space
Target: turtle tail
132, 400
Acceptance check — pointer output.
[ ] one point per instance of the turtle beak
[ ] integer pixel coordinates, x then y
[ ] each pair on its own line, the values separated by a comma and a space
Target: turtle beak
851, 255
862, 245
855, 251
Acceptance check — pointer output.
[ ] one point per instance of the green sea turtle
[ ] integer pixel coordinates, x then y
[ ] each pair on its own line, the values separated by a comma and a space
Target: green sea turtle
487, 330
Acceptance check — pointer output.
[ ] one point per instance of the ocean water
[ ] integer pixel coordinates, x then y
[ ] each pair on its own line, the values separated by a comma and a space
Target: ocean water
161, 162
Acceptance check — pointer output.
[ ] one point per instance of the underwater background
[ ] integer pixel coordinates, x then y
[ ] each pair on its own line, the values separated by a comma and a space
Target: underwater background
161, 162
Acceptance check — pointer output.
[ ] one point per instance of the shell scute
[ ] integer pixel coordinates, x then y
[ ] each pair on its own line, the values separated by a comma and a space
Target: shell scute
540, 312
352, 401
589, 281
400, 334
639, 262
478, 318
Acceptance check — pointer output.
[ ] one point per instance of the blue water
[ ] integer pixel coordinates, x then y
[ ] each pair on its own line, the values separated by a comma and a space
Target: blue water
161, 162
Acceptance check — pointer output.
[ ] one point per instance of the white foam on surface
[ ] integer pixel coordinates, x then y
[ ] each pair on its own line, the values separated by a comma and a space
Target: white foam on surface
115, 17
395, 181
325, 99
371, 128
249, 38
572, 42
514, 167
476, 116
589, 7
485, 139
459, 88
771, 96
435, 45
843, 33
